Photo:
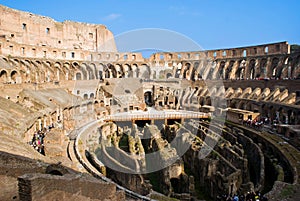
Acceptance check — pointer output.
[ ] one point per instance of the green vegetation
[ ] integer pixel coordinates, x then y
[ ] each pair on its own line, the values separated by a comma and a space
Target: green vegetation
287, 191
154, 180
123, 143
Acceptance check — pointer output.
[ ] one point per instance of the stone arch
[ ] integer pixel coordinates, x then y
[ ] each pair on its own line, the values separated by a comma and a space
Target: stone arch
87, 71
222, 69
107, 72
3, 76
26, 70
60, 74
94, 69
274, 68
69, 70
208, 100
135, 70
78, 75
100, 70
38, 72
286, 70
81, 69
112, 70
296, 68
169, 75
120, 72
185, 70
92, 95
241, 70
49, 71
127, 70
263, 68
251, 67
229, 69
14, 76
145, 71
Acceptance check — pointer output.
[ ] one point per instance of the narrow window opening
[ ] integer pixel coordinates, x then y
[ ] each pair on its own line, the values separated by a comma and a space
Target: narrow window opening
266, 49
244, 53
215, 54
33, 51
11, 48
24, 26
224, 53
233, 52
47, 30
73, 55
125, 57
23, 50
255, 50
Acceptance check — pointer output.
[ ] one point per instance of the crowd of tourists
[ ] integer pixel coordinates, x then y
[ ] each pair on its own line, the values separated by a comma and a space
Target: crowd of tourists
37, 141
259, 123
250, 196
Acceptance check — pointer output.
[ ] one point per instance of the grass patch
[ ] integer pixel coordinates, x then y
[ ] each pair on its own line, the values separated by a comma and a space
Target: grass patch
287, 191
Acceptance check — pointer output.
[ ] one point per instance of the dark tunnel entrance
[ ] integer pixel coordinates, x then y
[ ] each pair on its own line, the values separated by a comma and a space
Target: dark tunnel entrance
148, 98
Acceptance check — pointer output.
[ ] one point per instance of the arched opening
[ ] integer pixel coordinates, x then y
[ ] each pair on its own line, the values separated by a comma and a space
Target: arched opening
263, 68
186, 70
252, 69
107, 73
100, 75
90, 72
85, 96
169, 75
14, 75
92, 95
274, 73
221, 69
148, 97
78, 76
229, 69
3, 76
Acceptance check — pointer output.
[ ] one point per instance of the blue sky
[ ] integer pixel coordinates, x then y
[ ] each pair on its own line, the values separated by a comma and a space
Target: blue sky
213, 24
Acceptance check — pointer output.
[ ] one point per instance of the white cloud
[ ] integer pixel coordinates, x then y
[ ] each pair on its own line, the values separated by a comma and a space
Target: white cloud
112, 16
182, 10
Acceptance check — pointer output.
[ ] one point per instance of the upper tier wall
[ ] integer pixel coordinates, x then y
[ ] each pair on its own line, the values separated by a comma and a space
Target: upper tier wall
239, 52
34, 30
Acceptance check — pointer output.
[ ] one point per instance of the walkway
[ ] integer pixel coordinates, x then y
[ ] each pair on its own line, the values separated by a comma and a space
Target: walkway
156, 114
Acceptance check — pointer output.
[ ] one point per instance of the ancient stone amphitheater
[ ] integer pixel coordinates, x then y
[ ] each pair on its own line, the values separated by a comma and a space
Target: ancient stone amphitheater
81, 121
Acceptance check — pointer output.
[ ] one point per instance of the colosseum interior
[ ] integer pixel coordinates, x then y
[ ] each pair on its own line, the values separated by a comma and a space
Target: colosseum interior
75, 113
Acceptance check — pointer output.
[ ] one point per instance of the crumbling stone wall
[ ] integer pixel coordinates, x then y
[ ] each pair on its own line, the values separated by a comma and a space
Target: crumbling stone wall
37, 186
